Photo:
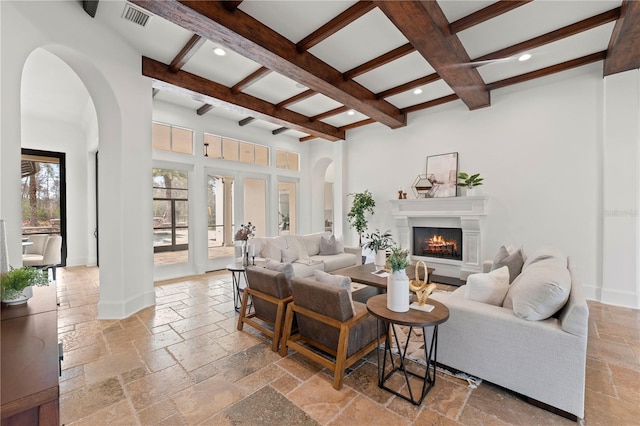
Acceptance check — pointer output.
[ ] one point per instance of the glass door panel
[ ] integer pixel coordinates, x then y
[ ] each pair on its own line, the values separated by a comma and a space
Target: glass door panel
219, 216
286, 208
255, 203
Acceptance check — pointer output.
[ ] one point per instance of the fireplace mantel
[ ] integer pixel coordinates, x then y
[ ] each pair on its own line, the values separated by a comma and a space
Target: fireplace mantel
468, 213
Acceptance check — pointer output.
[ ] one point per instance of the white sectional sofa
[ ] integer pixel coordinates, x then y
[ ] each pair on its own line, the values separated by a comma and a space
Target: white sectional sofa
304, 252
543, 360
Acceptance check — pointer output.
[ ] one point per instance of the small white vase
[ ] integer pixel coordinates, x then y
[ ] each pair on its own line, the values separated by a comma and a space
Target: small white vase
26, 294
380, 259
471, 192
398, 292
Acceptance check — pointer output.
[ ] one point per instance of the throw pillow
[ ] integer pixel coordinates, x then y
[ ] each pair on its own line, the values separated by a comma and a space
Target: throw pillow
547, 252
290, 254
285, 268
512, 260
328, 246
488, 288
540, 290
336, 281
272, 251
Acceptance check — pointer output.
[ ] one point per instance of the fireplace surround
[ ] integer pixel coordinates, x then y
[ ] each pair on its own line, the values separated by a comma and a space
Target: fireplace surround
466, 213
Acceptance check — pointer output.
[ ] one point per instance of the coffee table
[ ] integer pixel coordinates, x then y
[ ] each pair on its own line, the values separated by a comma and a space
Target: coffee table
377, 306
363, 274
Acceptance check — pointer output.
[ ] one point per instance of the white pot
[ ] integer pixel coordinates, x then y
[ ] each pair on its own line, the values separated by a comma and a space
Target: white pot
380, 259
398, 292
26, 294
471, 192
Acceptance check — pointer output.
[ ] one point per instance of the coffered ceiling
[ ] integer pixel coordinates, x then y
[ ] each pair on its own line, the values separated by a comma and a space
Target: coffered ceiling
315, 69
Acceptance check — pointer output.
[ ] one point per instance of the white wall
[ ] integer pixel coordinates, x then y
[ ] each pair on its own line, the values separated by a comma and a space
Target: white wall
110, 69
539, 149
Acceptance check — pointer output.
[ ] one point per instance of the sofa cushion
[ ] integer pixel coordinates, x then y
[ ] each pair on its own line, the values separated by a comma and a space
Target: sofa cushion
290, 254
488, 288
547, 252
540, 290
298, 242
328, 245
306, 269
285, 268
272, 247
513, 260
312, 242
336, 281
336, 261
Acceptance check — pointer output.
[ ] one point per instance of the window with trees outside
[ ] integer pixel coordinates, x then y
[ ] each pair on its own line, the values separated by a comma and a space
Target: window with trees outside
170, 216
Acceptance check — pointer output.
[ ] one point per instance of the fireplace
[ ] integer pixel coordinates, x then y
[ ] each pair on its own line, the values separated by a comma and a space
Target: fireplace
443, 243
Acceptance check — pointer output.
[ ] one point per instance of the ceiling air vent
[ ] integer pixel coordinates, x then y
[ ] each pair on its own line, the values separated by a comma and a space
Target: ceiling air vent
135, 15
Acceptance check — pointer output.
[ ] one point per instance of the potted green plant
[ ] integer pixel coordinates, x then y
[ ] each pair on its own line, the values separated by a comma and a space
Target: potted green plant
379, 242
469, 182
16, 284
398, 282
363, 202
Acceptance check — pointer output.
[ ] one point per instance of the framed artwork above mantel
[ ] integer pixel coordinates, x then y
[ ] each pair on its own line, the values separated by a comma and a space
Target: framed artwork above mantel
442, 172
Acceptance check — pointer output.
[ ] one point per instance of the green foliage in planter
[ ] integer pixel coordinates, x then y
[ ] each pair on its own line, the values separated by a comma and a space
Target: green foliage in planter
13, 282
379, 241
469, 181
363, 202
398, 259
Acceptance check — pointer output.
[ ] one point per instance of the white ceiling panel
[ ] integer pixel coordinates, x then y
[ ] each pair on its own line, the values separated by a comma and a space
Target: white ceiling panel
265, 125
529, 21
294, 19
344, 118
176, 99
159, 39
227, 113
400, 71
455, 10
314, 105
226, 70
274, 88
430, 91
366, 38
582, 44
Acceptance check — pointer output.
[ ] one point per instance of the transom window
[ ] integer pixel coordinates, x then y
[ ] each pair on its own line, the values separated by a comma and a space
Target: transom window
287, 160
171, 138
234, 150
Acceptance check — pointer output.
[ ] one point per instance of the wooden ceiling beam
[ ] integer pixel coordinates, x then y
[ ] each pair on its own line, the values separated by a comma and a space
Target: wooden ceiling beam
154, 92
424, 24
489, 12
431, 103
256, 41
559, 34
231, 5
307, 138
356, 124
408, 86
279, 130
245, 121
91, 7
252, 78
543, 72
329, 113
188, 50
213, 93
295, 99
396, 53
204, 109
623, 53
335, 25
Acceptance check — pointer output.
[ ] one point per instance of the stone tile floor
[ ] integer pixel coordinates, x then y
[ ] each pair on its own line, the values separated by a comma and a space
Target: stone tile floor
182, 362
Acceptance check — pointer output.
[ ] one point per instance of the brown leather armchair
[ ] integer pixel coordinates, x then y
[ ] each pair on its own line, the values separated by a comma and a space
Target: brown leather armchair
325, 321
270, 292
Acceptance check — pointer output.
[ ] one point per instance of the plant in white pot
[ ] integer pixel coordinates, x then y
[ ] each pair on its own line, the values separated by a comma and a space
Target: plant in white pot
469, 182
16, 284
379, 242
398, 281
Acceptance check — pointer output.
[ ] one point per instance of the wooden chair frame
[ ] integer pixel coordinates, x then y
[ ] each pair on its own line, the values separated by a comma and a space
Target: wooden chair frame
258, 322
298, 343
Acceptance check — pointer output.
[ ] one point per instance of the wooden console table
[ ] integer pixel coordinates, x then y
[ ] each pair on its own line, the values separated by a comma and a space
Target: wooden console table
30, 360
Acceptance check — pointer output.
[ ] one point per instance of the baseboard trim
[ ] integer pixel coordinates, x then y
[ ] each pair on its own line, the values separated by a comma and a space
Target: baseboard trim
125, 308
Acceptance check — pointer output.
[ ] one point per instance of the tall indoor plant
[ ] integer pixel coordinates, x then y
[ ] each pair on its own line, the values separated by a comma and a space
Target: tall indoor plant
379, 242
398, 282
363, 203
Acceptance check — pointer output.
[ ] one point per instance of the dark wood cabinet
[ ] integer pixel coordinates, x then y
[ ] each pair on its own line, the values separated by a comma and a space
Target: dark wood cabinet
30, 360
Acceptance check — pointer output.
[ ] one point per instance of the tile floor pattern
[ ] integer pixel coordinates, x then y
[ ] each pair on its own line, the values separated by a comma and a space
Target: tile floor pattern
183, 362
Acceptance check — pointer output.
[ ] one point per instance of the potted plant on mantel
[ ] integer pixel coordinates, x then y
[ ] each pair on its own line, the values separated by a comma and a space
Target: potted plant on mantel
398, 282
363, 202
379, 242
469, 182
16, 284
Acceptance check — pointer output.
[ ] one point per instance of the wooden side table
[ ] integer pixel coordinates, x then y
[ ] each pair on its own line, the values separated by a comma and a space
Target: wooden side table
377, 306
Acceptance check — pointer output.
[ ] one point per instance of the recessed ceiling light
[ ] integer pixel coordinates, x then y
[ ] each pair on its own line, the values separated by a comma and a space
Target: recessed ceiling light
524, 57
417, 91
351, 112
219, 51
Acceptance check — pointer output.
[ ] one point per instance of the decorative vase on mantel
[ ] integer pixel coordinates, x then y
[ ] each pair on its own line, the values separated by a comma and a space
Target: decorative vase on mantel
398, 291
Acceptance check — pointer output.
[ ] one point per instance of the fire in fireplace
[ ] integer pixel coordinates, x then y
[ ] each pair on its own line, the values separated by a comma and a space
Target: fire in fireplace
444, 243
